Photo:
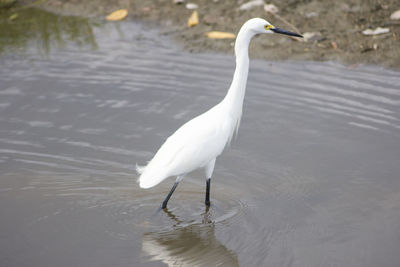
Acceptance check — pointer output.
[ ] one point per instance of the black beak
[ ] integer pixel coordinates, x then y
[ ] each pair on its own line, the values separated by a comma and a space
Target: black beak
282, 31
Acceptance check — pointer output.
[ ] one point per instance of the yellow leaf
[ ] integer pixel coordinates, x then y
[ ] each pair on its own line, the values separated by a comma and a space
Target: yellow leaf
117, 15
220, 35
13, 16
194, 19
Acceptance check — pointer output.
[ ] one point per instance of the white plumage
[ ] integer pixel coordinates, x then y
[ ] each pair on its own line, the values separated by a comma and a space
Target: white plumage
197, 143
192, 146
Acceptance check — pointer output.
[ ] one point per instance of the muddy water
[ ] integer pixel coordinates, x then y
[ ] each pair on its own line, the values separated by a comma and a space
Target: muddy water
311, 180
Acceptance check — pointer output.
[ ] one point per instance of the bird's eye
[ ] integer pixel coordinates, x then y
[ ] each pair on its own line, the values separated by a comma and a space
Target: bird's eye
268, 27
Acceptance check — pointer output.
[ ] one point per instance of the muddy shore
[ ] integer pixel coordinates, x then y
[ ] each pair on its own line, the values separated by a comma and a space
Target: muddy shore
339, 24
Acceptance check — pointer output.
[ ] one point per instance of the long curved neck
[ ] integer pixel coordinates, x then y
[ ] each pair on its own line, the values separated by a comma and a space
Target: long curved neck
234, 97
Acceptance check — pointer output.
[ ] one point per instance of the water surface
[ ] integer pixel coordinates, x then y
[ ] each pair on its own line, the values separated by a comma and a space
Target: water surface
311, 180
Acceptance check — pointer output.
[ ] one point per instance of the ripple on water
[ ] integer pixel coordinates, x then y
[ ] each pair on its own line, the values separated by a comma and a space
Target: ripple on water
122, 199
186, 208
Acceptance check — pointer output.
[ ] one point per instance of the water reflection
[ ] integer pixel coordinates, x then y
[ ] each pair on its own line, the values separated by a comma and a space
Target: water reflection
22, 28
191, 245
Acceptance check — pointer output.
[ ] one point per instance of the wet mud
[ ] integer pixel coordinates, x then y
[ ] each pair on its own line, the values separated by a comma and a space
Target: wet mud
339, 25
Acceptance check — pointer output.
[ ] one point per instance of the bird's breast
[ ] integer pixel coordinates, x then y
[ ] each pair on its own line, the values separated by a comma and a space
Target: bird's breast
203, 141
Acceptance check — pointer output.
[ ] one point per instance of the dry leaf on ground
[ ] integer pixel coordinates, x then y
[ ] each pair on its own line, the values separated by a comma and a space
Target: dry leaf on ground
220, 35
117, 15
194, 19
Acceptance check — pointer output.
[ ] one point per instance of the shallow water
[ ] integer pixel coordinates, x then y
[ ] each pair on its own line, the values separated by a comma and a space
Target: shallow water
311, 180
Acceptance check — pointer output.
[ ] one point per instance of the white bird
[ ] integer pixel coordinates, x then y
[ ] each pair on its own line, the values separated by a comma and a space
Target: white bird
198, 143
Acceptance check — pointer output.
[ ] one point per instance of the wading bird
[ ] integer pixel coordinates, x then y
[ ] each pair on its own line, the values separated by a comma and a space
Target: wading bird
197, 143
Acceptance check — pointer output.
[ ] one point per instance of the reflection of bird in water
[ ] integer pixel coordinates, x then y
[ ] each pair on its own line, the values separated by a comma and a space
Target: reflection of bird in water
193, 245
200, 141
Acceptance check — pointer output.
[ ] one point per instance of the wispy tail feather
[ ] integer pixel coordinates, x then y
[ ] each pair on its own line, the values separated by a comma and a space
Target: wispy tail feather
149, 177
140, 169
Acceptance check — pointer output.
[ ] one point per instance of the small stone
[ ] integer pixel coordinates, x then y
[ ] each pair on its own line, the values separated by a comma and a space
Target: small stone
271, 8
210, 20
312, 15
191, 6
179, 2
377, 31
312, 36
395, 15
146, 9
251, 4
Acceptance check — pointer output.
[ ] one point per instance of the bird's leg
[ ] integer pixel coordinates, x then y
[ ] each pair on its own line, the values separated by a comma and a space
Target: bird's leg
209, 170
208, 185
165, 202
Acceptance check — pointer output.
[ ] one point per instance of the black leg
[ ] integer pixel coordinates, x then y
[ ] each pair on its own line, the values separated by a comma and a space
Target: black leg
208, 184
165, 202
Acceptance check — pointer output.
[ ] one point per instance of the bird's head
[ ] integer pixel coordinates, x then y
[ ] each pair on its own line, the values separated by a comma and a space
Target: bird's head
258, 26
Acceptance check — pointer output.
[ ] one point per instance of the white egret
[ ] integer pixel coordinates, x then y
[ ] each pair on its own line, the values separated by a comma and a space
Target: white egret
197, 143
